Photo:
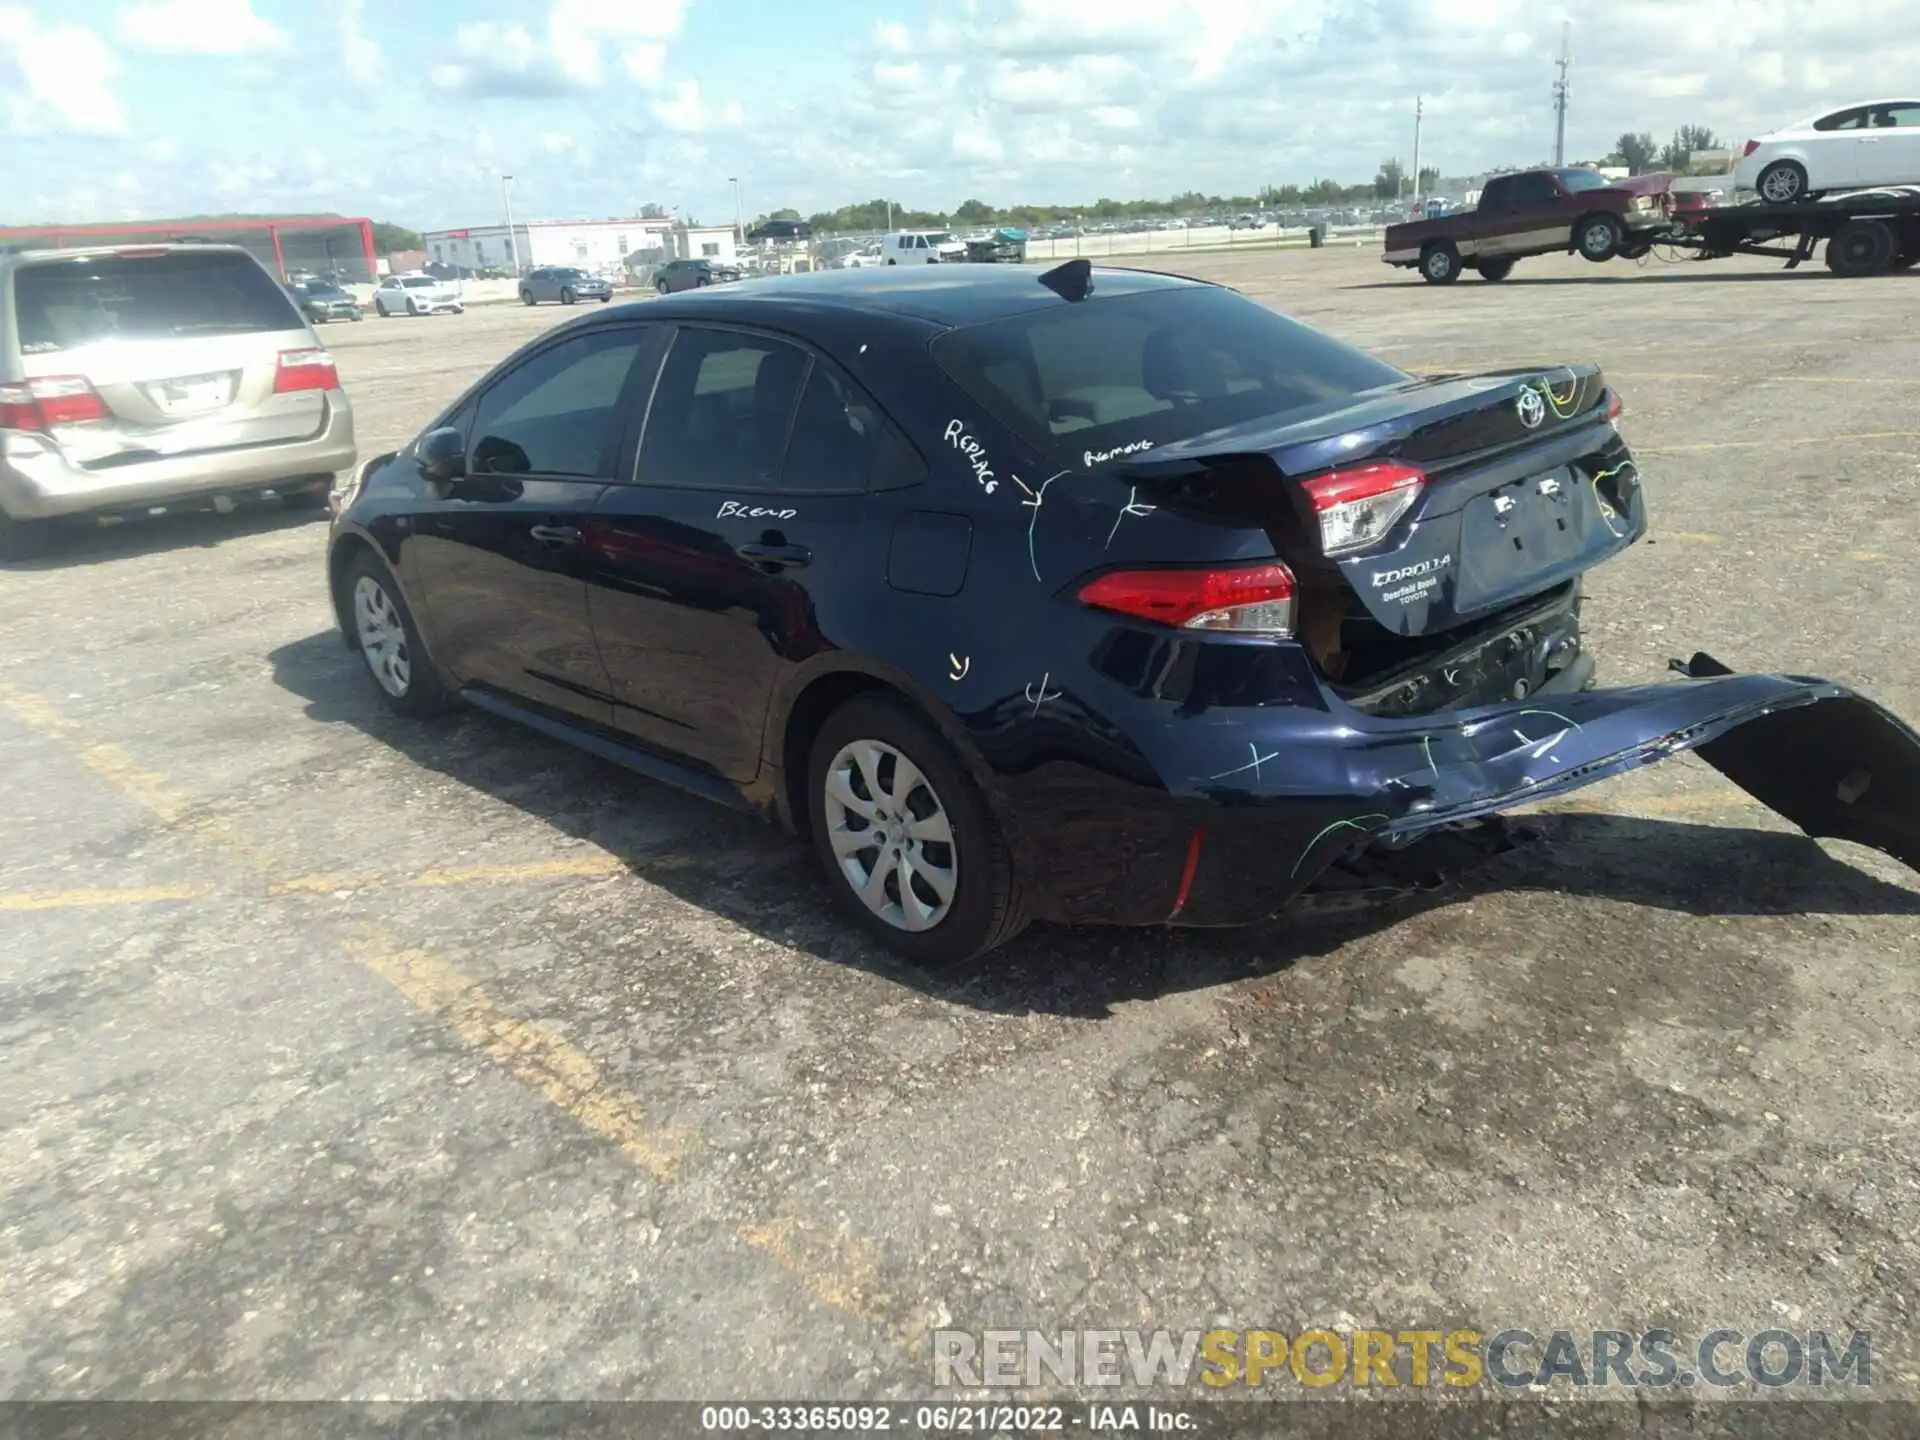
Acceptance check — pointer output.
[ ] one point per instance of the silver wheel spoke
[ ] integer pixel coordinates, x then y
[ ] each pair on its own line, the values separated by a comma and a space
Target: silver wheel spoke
847, 842
874, 890
914, 913
906, 779
868, 757
840, 792
938, 879
934, 830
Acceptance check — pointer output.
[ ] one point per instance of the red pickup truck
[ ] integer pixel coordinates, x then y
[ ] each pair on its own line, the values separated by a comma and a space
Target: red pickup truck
1537, 212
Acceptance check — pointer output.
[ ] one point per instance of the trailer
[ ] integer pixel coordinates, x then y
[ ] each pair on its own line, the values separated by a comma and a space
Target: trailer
1866, 232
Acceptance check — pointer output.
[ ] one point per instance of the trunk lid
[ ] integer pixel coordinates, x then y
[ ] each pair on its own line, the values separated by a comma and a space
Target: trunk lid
1528, 485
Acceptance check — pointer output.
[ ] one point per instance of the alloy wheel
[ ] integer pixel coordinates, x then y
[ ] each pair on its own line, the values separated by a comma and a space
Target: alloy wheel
383, 637
891, 835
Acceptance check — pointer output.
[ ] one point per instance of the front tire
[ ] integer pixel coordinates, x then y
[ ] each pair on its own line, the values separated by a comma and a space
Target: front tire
388, 640
1598, 238
661, 286
1782, 183
526, 297
1440, 263
413, 308
908, 844
566, 297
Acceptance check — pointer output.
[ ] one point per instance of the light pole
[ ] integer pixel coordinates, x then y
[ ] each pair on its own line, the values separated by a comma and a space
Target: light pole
739, 215
1418, 106
513, 239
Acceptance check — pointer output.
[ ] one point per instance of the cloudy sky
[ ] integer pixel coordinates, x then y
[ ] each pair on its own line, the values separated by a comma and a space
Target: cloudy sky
410, 110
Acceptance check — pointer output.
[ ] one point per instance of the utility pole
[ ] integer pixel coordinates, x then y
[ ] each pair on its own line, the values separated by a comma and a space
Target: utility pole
1562, 91
513, 239
1418, 106
739, 216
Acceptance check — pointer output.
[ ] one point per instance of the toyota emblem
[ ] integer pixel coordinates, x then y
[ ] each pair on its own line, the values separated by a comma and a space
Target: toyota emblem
1531, 407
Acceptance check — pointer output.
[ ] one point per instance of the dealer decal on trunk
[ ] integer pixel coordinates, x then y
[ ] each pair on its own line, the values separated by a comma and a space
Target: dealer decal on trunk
1414, 580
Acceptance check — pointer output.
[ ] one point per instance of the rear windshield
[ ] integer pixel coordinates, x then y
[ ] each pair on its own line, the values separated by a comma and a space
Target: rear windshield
1104, 376
324, 290
64, 303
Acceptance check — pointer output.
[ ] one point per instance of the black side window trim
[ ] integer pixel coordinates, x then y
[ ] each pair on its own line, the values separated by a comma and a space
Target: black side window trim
815, 358
469, 409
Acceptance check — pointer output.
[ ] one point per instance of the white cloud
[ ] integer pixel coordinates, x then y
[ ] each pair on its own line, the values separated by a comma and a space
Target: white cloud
199, 27
359, 53
584, 41
682, 111
56, 79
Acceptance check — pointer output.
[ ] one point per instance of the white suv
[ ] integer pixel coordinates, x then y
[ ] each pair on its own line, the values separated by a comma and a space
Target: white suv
416, 295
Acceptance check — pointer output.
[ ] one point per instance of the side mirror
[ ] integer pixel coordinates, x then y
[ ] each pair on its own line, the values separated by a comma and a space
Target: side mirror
441, 455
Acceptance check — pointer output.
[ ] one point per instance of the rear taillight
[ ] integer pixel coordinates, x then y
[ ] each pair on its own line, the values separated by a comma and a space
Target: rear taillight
1751, 146
1614, 407
1358, 507
1239, 600
309, 369
49, 401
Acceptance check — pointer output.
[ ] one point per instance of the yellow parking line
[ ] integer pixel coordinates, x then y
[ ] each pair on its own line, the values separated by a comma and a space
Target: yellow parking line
559, 1072
74, 899
1692, 537
841, 1274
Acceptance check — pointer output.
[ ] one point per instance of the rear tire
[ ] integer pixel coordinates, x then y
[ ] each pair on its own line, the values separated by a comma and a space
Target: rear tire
1782, 183
1599, 237
383, 632
1861, 247
1439, 263
1494, 269
856, 787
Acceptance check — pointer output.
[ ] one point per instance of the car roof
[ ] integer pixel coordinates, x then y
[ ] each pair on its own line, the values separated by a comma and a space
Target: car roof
16, 258
949, 295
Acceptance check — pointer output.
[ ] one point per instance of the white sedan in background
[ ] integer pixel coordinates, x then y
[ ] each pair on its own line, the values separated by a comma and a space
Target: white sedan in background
859, 259
1876, 143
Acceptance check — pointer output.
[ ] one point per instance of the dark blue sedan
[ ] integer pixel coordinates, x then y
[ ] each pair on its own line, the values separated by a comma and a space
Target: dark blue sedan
1079, 595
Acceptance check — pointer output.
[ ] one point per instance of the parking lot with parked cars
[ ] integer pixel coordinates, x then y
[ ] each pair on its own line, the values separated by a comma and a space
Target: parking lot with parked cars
357, 1055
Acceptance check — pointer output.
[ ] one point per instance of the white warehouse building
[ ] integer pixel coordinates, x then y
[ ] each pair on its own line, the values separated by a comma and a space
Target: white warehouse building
595, 245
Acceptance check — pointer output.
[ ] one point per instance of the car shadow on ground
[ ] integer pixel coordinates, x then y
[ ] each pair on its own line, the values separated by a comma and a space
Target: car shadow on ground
756, 876
71, 544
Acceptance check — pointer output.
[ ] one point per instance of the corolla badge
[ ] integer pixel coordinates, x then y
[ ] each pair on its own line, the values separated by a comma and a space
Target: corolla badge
1532, 409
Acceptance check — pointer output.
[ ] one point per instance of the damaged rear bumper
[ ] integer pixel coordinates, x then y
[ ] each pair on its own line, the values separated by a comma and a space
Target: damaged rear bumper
1241, 845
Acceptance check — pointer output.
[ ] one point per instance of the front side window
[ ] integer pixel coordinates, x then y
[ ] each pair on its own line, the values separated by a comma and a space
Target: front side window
1104, 375
1578, 180
1900, 117
558, 412
721, 411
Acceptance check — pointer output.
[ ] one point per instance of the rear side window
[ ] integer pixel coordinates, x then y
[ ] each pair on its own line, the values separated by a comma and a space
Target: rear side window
65, 303
1854, 119
557, 412
1080, 381
721, 411
841, 442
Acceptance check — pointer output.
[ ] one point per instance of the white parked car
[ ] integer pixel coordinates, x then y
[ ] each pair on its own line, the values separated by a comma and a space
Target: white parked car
416, 295
858, 259
1876, 143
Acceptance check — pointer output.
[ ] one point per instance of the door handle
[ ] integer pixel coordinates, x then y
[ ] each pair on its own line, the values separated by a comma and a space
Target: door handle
556, 534
776, 557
